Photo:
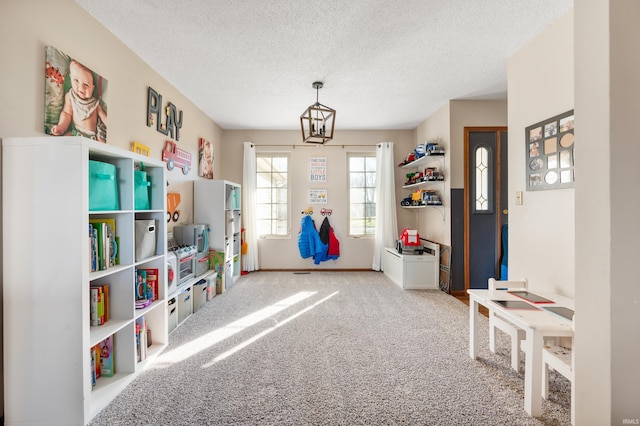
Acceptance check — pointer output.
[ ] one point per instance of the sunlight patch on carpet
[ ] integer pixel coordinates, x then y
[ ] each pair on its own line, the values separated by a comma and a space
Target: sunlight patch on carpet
216, 336
265, 332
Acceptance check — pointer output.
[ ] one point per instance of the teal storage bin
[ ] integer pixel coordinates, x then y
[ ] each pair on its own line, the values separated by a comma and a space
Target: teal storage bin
141, 190
103, 186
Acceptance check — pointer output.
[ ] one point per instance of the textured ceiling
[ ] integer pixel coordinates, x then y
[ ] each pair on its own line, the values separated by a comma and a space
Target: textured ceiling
385, 64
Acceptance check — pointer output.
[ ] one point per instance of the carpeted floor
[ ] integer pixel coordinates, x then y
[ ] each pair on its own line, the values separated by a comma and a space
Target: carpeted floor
330, 348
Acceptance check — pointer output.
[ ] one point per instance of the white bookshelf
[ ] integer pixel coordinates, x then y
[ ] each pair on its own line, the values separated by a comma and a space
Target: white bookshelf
217, 203
47, 275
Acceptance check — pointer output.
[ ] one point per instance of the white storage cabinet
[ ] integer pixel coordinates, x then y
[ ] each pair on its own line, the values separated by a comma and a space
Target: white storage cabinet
413, 271
217, 203
47, 331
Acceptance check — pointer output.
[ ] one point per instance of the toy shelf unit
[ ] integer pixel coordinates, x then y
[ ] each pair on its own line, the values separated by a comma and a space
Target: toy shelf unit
414, 271
217, 202
425, 176
70, 267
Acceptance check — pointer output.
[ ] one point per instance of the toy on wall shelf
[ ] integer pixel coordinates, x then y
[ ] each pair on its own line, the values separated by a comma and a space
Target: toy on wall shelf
422, 197
139, 148
175, 156
173, 199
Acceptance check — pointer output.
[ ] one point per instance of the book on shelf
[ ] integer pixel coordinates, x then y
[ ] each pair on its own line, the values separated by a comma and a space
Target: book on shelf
142, 298
106, 357
93, 255
99, 304
95, 350
141, 339
105, 245
102, 360
94, 379
151, 276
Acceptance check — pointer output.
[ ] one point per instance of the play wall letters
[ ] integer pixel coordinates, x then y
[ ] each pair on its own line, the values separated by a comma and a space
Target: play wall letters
173, 116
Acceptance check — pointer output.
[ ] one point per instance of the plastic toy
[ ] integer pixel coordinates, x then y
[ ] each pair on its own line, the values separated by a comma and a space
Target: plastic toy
434, 149
409, 241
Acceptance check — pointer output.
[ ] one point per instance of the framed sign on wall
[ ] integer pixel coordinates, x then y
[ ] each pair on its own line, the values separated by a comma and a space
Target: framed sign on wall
549, 153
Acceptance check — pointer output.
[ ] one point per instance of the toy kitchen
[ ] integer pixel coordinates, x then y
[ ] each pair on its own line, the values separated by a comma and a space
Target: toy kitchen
190, 247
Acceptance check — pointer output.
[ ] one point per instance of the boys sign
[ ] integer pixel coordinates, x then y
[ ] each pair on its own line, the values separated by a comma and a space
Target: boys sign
318, 169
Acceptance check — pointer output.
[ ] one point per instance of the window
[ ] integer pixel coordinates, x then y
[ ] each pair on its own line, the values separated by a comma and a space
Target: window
482, 181
272, 194
362, 194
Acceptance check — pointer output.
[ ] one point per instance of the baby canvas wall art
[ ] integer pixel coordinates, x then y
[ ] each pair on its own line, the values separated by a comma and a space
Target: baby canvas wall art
75, 98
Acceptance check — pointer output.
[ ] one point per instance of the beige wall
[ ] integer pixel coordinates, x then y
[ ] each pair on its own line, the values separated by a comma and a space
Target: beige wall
67, 27
471, 113
434, 223
541, 230
447, 124
283, 253
27, 27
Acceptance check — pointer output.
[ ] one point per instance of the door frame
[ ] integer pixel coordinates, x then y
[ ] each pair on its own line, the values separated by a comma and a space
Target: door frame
498, 248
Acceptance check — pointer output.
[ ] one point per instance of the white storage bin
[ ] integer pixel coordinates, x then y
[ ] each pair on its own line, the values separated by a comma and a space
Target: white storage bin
185, 304
412, 271
199, 294
172, 314
228, 274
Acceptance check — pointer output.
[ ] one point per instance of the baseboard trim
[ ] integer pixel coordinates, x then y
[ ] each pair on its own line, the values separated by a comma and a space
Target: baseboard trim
459, 293
318, 270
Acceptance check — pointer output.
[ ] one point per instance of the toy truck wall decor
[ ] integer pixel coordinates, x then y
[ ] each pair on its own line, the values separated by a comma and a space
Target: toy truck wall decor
175, 156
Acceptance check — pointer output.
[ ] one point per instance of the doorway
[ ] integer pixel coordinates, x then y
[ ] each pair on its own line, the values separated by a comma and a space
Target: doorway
485, 204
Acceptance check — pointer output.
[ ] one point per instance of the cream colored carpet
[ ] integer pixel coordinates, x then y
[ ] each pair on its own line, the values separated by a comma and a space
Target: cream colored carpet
330, 348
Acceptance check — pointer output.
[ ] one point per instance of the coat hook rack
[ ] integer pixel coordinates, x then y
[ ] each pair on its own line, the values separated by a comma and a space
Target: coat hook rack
308, 210
326, 212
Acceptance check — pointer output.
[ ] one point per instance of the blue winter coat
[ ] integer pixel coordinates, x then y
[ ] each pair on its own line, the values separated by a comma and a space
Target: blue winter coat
309, 242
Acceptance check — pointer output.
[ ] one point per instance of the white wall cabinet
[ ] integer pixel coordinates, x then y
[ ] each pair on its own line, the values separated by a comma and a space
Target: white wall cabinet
217, 203
47, 278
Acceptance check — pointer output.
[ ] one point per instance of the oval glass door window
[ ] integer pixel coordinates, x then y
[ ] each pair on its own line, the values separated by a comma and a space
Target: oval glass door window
551, 177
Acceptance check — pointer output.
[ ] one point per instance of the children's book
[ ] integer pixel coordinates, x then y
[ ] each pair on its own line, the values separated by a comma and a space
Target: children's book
98, 366
106, 232
152, 283
106, 357
93, 306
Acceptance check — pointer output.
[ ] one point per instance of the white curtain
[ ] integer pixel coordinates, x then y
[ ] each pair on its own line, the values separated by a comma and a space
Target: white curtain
386, 218
249, 260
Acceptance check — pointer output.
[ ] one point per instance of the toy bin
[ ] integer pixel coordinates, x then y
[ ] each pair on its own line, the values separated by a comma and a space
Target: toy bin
145, 238
172, 314
141, 190
199, 294
103, 186
185, 305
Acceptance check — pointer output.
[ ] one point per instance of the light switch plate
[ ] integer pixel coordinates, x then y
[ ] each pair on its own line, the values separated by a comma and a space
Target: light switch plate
518, 198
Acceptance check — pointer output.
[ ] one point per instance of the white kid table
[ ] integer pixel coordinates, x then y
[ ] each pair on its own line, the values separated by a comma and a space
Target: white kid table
537, 325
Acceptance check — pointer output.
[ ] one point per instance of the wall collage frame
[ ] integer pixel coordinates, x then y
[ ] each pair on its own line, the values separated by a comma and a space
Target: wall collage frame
549, 153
